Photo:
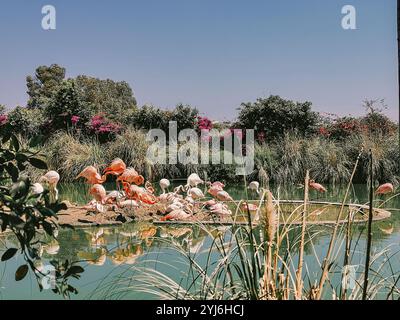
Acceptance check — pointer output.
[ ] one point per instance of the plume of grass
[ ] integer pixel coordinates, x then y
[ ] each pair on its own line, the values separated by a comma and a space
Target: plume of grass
299, 279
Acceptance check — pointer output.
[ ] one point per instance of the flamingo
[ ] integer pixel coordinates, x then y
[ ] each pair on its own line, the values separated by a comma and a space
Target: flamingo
254, 186
214, 190
223, 196
316, 186
218, 184
179, 214
37, 188
98, 192
91, 175
130, 175
248, 206
51, 178
137, 193
195, 193
176, 205
164, 184
210, 203
131, 204
116, 167
193, 180
385, 189
220, 209
114, 195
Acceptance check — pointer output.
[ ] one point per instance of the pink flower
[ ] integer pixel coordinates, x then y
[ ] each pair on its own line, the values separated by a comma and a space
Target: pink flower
3, 119
75, 119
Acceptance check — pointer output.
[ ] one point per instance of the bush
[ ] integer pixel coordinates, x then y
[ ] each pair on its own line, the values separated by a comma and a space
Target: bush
150, 117
27, 122
275, 116
66, 106
104, 129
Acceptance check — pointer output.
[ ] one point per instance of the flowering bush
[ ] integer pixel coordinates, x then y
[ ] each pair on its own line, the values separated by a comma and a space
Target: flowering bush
3, 119
103, 128
203, 123
75, 119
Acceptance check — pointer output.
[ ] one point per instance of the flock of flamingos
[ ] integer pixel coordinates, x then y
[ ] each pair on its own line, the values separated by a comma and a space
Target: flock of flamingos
179, 203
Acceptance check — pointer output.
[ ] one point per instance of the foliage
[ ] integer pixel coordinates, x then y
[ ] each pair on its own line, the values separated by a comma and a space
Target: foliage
104, 129
115, 99
150, 117
65, 104
276, 116
26, 214
44, 85
26, 121
185, 116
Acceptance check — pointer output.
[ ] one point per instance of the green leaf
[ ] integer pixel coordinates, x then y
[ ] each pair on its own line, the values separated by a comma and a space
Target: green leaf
48, 228
15, 143
46, 212
35, 141
73, 271
21, 272
9, 254
21, 157
37, 163
12, 171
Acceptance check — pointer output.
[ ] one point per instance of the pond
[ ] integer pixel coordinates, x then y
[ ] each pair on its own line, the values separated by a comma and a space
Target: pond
111, 255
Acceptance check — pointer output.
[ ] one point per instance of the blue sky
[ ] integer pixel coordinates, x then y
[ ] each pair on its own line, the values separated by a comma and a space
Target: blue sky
210, 54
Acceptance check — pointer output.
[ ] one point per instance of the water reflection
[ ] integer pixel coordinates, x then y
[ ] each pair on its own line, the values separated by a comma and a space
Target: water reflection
102, 251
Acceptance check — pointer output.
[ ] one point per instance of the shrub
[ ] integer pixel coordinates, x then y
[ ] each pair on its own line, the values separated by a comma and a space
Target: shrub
149, 117
27, 122
276, 116
65, 105
342, 128
104, 129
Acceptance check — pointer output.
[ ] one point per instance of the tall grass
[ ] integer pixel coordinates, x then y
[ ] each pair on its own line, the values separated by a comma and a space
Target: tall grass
284, 161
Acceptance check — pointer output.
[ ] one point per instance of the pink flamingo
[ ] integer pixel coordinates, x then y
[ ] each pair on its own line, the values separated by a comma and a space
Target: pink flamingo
91, 175
316, 186
116, 167
385, 189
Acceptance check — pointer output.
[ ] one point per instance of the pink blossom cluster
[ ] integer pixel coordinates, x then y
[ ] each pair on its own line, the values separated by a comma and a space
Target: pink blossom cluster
203, 123
3, 119
75, 119
100, 125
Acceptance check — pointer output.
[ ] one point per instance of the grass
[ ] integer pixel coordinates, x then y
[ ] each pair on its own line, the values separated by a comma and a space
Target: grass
283, 162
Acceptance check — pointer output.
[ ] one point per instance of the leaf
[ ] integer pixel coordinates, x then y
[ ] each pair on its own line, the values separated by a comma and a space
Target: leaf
46, 212
48, 228
21, 272
9, 254
21, 157
37, 163
15, 143
74, 270
12, 171
35, 141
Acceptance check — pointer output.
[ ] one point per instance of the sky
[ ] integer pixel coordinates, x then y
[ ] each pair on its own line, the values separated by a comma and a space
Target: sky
210, 54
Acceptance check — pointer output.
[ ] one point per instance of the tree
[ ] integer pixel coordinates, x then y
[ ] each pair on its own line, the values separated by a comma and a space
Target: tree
275, 116
115, 99
65, 104
25, 121
44, 84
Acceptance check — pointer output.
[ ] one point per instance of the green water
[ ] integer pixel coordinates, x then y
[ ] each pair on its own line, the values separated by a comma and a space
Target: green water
114, 252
